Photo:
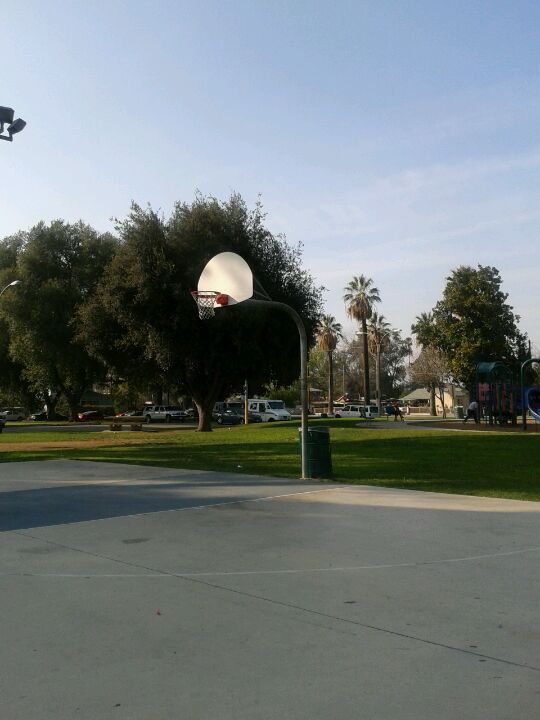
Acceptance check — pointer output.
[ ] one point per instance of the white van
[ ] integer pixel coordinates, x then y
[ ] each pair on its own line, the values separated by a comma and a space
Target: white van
269, 410
371, 411
350, 411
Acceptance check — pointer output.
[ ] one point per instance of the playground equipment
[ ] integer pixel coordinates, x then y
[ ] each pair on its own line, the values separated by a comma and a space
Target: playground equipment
530, 396
495, 393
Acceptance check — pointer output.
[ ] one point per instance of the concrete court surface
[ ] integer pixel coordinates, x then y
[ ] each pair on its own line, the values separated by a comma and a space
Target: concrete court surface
142, 593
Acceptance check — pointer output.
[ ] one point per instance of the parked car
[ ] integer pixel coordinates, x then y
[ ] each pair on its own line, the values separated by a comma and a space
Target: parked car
2, 424
13, 413
227, 417
130, 413
89, 415
192, 414
350, 411
42, 415
163, 413
236, 406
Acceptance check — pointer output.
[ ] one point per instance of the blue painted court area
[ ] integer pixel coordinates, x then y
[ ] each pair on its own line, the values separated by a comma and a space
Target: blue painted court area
134, 592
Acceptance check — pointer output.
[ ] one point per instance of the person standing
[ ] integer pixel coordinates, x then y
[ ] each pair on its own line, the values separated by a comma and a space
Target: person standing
397, 412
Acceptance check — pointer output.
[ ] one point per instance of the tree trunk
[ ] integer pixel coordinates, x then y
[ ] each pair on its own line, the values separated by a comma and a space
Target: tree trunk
205, 396
433, 410
205, 418
441, 397
157, 395
330, 383
367, 397
73, 405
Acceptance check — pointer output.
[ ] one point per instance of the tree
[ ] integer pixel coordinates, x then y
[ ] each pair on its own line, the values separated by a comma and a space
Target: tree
359, 298
426, 336
329, 333
423, 328
473, 323
59, 266
431, 369
393, 364
143, 319
378, 335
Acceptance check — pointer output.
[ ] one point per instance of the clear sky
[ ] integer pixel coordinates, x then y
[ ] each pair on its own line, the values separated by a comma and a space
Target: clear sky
393, 139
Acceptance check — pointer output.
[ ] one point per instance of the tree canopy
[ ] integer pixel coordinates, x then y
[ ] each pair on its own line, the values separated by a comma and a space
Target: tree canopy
473, 323
59, 265
142, 317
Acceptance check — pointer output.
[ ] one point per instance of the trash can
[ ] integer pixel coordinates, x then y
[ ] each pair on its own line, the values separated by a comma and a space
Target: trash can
319, 456
458, 412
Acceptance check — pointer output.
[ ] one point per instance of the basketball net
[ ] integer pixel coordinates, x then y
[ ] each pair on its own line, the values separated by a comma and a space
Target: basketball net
205, 300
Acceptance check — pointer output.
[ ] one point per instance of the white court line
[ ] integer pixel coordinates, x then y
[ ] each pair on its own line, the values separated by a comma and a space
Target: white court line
234, 502
352, 568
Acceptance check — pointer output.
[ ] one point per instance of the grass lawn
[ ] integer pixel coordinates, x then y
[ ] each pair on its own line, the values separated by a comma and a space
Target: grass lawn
491, 464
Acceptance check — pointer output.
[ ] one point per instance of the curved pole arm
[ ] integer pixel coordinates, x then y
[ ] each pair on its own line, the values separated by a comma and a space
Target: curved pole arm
530, 361
303, 371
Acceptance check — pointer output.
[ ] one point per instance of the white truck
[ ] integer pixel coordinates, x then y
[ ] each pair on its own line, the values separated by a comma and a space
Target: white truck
268, 410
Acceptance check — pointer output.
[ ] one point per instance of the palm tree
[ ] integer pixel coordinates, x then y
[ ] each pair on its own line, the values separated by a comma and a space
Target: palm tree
378, 334
423, 328
359, 298
328, 335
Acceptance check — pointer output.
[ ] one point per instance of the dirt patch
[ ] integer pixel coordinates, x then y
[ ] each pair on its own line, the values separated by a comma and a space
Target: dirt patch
111, 441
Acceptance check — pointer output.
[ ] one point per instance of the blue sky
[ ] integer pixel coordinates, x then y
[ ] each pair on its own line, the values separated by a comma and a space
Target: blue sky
393, 139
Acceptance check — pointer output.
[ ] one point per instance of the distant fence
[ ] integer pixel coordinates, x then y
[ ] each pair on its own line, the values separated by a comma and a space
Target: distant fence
421, 410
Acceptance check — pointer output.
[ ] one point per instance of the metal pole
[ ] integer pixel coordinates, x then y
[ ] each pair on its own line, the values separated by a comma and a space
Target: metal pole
246, 412
530, 361
303, 372
378, 377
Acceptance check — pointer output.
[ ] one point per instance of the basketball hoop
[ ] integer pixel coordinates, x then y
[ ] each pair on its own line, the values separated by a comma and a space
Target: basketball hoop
207, 300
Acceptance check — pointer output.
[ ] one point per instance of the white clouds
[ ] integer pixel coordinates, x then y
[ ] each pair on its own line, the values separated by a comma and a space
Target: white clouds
408, 229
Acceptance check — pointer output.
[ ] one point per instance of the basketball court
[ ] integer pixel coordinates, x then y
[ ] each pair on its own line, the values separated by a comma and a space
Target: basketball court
140, 592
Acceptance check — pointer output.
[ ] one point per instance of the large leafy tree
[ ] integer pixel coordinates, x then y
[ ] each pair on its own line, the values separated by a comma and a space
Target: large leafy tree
142, 315
473, 322
359, 297
328, 335
59, 266
432, 370
394, 363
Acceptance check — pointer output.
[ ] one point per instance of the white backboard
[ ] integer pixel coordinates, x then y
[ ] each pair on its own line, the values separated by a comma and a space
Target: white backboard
229, 274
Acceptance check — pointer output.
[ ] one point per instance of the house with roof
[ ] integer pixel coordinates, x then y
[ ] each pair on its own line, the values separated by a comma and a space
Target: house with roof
419, 400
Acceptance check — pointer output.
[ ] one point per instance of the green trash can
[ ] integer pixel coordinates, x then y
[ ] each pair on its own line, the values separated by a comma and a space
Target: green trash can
458, 412
319, 456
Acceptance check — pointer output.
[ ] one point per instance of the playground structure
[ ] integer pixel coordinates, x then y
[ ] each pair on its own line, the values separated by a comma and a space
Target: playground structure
530, 395
499, 401
495, 393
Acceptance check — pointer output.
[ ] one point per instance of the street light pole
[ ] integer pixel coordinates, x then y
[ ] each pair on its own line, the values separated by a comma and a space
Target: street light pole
378, 375
358, 334
11, 284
